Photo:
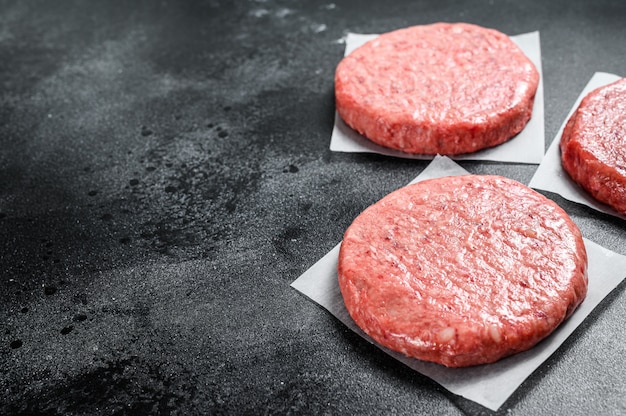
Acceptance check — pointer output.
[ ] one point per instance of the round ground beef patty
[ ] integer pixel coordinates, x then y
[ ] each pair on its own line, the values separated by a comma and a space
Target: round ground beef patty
593, 145
462, 270
437, 89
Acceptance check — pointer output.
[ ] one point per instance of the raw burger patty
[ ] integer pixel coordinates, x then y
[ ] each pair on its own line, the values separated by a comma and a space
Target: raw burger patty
593, 145
441, 88
462, 270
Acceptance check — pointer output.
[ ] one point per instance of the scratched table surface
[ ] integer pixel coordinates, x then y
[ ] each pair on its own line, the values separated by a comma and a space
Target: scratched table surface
165, 174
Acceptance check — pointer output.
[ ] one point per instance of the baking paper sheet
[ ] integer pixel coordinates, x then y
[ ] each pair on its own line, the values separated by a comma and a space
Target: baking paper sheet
527, 147
492, 384
550, 175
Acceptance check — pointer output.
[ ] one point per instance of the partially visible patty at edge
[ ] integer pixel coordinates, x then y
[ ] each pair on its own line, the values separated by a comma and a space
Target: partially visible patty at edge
593, 145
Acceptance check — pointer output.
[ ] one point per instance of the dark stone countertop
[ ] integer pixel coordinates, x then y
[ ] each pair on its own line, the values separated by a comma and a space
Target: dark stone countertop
165, 175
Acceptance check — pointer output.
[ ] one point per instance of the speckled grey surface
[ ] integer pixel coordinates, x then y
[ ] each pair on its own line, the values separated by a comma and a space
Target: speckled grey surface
165, 175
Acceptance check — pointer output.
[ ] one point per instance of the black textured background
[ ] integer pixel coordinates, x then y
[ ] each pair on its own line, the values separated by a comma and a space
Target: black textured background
165, 175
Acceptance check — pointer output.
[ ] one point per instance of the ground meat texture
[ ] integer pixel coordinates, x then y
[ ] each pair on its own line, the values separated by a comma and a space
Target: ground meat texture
593, 145
437, 89
462, 270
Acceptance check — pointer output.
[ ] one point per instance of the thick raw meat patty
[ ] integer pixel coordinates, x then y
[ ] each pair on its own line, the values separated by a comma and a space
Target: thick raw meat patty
462, 270
442, 88
593, 145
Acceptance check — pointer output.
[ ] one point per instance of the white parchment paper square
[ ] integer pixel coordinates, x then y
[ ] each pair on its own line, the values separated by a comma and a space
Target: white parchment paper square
550, 175
492, 384
527, 147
